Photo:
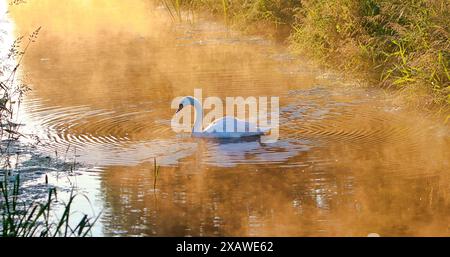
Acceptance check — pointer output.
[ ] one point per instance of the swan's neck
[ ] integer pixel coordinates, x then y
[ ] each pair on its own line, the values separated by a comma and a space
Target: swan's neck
198, 116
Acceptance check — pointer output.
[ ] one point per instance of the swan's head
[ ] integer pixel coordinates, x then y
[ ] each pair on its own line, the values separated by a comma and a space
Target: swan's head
188, 100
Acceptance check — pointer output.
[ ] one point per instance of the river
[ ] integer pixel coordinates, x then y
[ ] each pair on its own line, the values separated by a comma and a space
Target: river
350, 160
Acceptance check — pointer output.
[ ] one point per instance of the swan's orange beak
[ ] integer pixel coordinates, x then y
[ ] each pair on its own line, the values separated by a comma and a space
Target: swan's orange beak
179, 108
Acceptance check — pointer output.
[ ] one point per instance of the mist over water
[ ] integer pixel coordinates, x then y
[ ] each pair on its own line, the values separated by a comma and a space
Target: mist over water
348, 161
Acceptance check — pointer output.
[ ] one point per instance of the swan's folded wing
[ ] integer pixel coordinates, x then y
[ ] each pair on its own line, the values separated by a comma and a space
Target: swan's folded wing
232, 125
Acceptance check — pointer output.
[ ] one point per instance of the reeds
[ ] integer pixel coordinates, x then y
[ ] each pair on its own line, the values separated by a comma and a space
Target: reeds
175, 8
402, 44
20, 219
225, 10
155, 174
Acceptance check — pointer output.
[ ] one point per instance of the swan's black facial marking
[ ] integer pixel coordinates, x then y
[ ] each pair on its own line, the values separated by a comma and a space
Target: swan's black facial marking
179, 108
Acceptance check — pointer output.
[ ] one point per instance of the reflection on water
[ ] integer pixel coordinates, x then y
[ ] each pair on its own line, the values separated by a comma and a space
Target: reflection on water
348, 162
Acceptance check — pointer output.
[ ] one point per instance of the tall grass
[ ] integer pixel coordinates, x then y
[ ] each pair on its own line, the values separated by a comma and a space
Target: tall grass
401, 44
175, 7
392, 43
155, 173
21, 219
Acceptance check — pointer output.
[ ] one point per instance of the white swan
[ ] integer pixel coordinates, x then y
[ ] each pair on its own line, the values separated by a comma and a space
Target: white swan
219, 129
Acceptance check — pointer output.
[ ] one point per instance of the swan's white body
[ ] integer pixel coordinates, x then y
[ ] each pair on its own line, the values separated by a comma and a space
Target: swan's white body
238, 128
226, 127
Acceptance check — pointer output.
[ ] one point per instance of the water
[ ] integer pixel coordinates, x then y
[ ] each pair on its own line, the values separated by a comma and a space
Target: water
349, 160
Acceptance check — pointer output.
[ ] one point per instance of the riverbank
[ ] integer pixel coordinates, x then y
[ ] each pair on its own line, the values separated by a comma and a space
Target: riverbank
402, 45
